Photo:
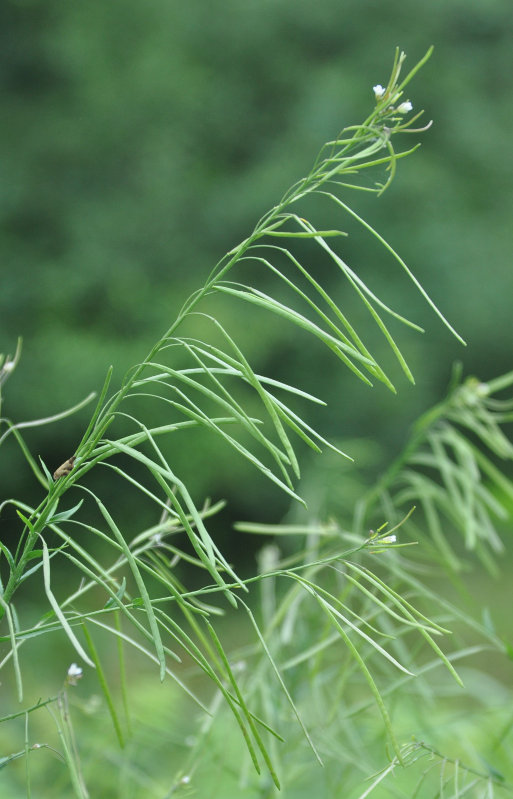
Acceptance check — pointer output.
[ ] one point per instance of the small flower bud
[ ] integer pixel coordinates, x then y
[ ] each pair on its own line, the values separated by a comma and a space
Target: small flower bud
388, 539
74, 674
379, 91
405, 107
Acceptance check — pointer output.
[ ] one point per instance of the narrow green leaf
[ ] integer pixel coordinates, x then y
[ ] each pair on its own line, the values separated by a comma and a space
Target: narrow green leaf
14, 648
140, 584
400, 261
114, 602
65, 514
204, 546
252, 379
122, 674
7, 759
410, 613
323, 596
96, 413
248, 716
281, 681
104, 686
304, 235
57, 610
336, 346
137, 646
366, 673
9, 557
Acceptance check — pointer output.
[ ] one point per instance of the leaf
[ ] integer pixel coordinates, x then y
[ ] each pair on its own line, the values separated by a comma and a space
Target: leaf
58, 612
14, 648
104, 686
140, 584
65, 514
114, 602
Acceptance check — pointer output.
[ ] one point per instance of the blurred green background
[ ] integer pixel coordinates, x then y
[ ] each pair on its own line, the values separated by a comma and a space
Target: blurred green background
142, 140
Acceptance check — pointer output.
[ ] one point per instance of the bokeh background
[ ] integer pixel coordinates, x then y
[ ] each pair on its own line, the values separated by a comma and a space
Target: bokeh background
141, 141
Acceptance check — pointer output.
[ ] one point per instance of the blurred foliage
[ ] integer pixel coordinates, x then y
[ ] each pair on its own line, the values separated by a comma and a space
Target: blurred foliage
141, 141
172, 738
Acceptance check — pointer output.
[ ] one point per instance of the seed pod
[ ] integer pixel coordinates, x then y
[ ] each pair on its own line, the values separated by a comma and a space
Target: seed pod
64, 469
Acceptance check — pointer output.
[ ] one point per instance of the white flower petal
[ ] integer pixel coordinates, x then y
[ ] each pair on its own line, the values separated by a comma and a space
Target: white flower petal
74, 674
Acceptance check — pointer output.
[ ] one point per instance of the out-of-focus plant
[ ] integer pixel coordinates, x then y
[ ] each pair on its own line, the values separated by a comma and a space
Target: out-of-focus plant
343, 616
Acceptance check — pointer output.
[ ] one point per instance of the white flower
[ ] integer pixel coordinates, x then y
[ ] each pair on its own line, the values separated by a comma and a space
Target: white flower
185, 780
379, 91
405, 107
74, 674
388, 539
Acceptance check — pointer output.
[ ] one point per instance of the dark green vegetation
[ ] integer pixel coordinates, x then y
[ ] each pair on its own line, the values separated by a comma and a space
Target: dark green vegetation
142, 141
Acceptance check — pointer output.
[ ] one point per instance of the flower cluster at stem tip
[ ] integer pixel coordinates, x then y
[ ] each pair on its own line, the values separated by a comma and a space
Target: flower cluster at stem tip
379, 94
